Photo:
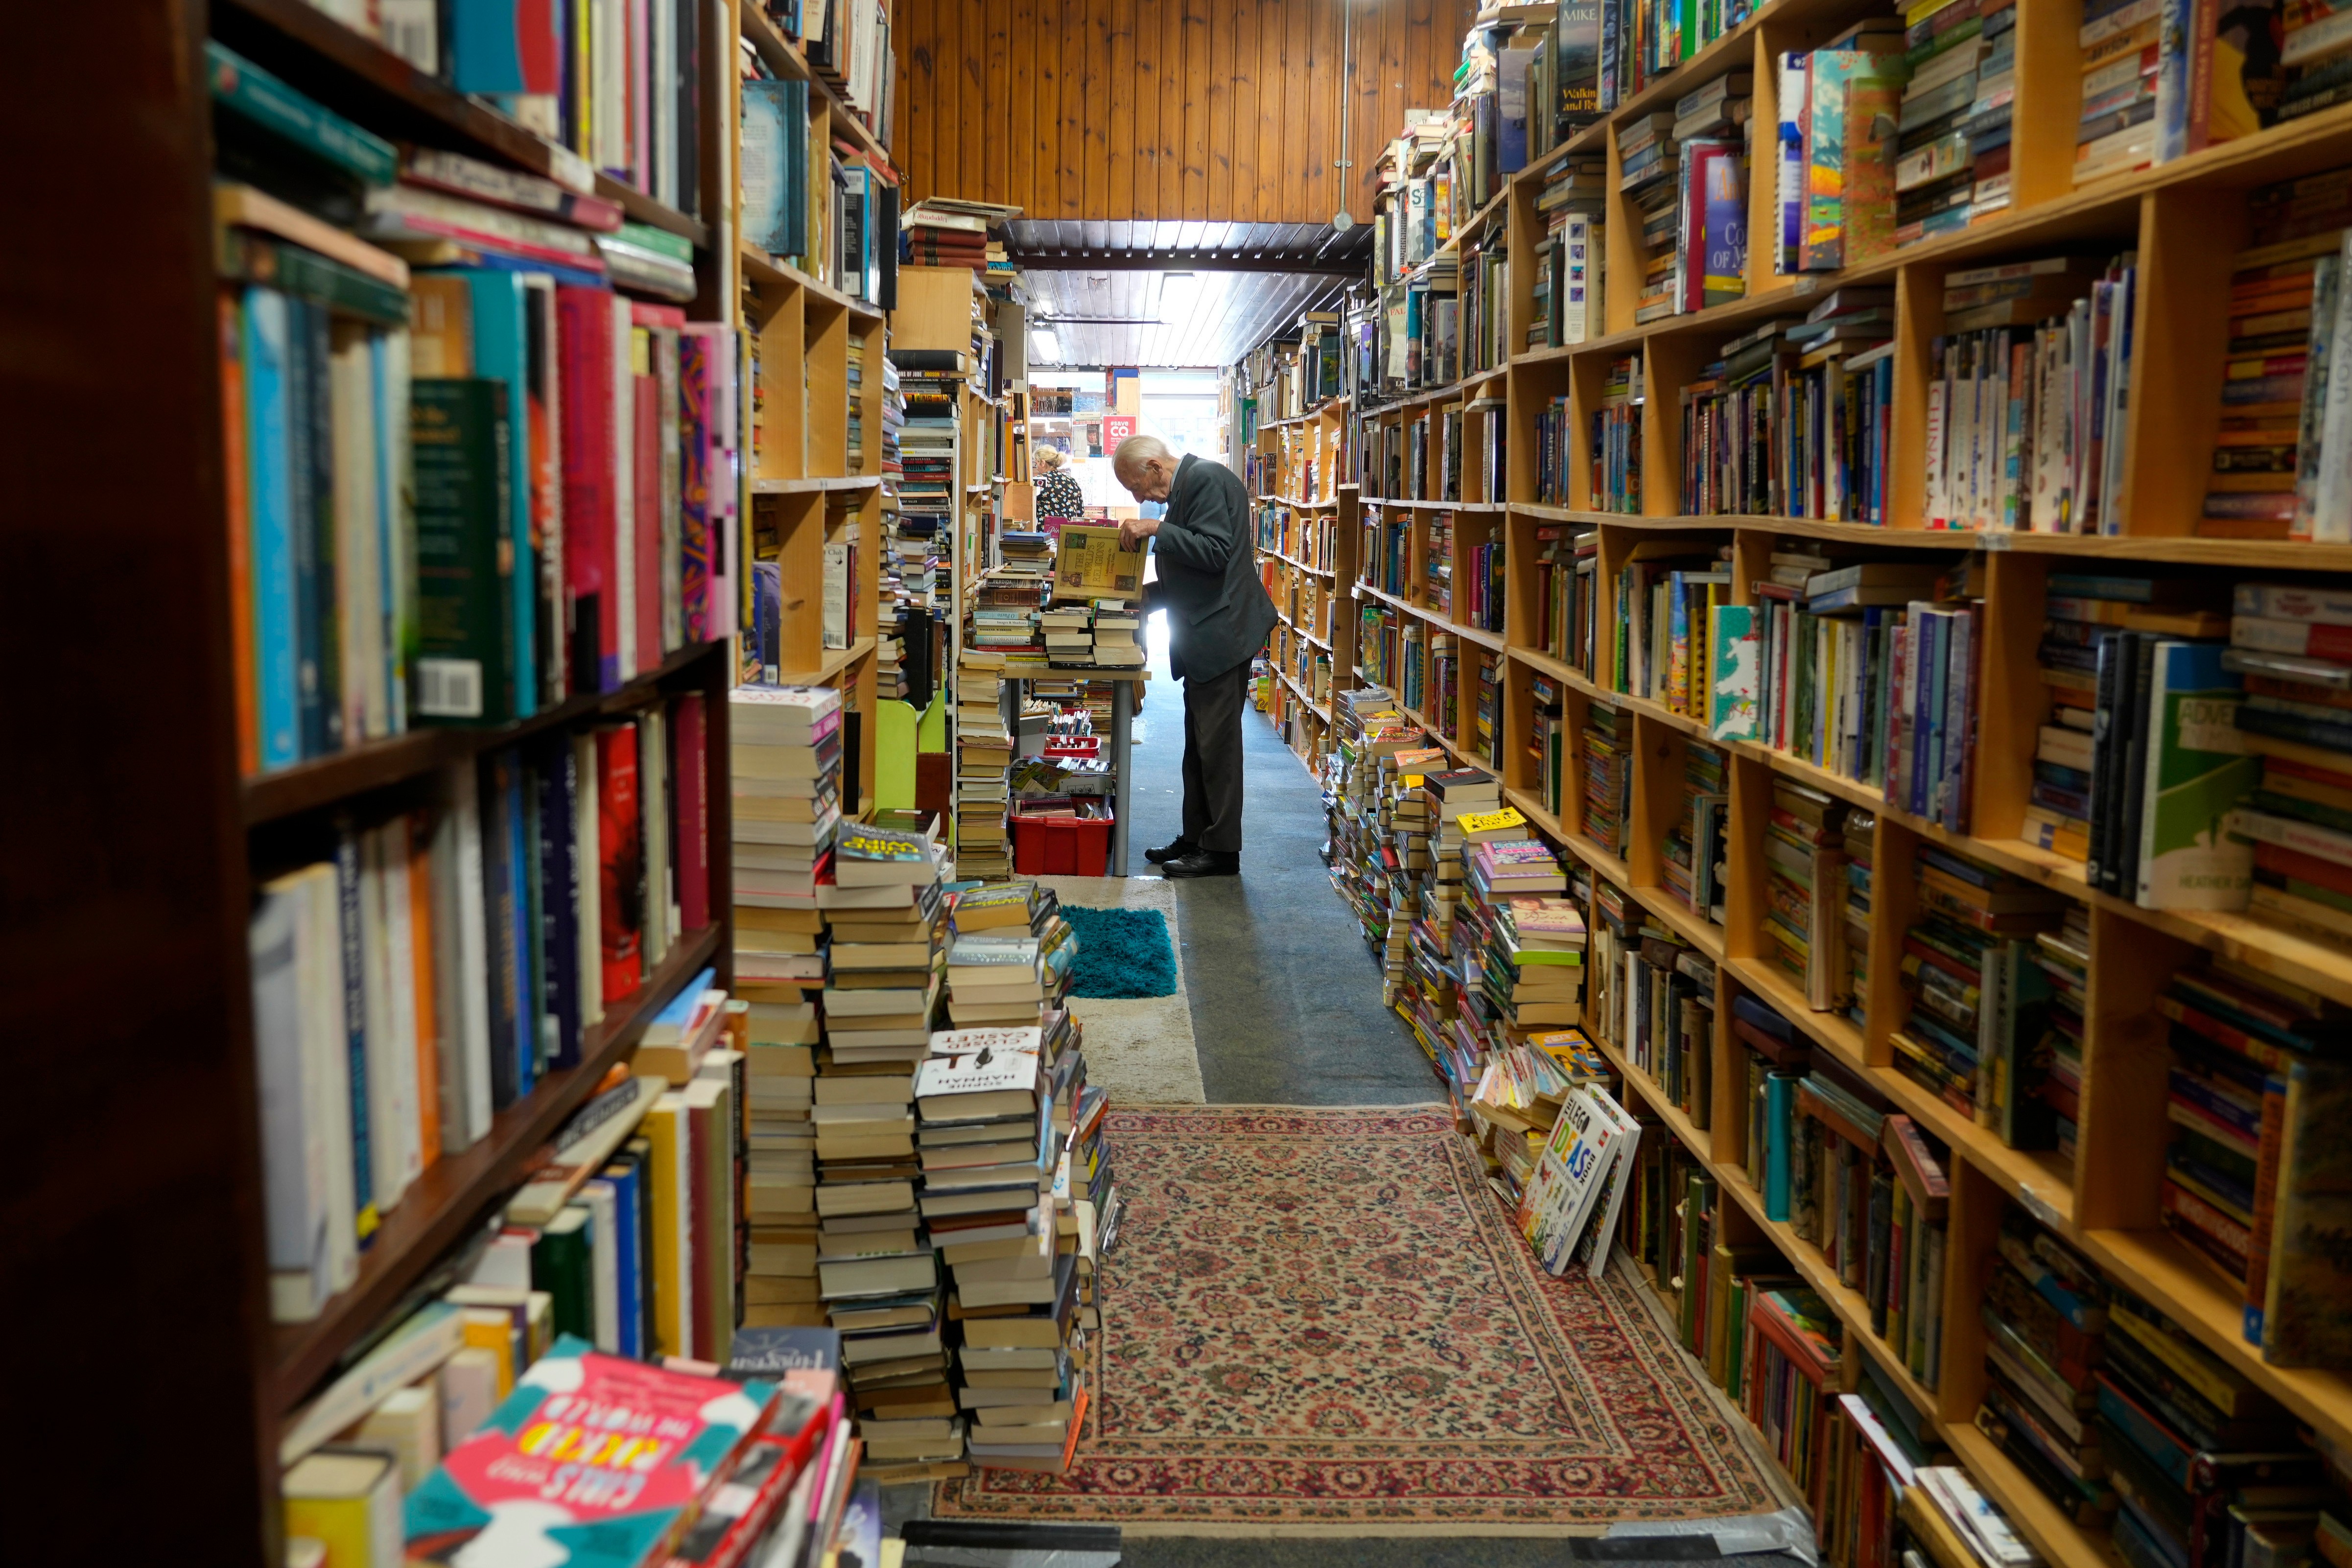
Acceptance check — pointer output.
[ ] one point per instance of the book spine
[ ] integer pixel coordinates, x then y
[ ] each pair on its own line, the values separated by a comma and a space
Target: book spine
348, 896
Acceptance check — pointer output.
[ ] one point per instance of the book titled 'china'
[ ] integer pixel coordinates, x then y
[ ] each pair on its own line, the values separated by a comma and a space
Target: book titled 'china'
592, 1460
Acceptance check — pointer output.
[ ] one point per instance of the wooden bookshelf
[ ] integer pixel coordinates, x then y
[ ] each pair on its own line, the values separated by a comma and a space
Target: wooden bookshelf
2184, 220
1307, 579
141, 1219
806, 487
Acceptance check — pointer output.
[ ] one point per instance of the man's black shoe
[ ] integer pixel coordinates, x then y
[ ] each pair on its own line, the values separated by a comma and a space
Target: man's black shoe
1202, 862
1176, 850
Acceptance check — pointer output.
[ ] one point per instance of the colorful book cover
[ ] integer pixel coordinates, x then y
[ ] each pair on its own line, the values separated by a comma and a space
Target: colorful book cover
2304, 1320
620, 861
2198, 771
1722, 182
592, 1460
697, 370
1738, 673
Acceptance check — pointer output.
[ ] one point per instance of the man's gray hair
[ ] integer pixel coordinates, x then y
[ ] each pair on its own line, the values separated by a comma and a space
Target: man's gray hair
1135, 451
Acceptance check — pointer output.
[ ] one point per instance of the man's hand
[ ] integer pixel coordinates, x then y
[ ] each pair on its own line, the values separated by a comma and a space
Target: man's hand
1133, 531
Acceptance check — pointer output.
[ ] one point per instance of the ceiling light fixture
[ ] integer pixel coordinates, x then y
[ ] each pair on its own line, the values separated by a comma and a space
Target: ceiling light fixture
1043, 347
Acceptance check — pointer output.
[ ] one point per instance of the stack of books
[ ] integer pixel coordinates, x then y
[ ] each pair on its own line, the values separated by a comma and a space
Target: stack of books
1117, 629
1977, 1031
1025, 553
1794, 419
983, 751
877, 1275
1945, 44
2251, 1084
1567, 304
2201, 1464
2045, 1321
1606, 810
2121, 45
986, 1099
786, 759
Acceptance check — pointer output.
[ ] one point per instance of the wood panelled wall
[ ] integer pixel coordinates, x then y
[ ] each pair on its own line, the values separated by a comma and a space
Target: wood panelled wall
1224, 110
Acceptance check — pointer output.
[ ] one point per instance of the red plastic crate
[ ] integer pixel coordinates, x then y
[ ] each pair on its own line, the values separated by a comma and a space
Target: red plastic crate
1085, 746
1061, 846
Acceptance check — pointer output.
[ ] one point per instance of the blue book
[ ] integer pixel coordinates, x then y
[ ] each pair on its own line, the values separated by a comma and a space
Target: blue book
521, 924
313, 579
347, 895
559, 876
1780, 1108
486, 46
1951, 808
502, 352
270, 504
388, 382
628, 1269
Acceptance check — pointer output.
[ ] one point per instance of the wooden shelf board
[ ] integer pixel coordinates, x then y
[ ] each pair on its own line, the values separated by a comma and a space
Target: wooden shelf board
389, 75
1319, 710
306, 786
1492, 640
836, 662
2159, 1267
1584, 848
443, 1205
814, 485
1294, 560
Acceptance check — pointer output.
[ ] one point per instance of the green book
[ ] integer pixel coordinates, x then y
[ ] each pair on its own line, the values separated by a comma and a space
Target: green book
344, 291
248, 91
2198, 771
562, 1264
460, 433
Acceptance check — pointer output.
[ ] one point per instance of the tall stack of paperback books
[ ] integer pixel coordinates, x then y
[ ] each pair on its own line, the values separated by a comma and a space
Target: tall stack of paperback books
983, 751
886, 917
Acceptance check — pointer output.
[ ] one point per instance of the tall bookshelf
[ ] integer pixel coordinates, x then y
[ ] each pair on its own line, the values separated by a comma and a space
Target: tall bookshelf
805, 485
1304, 528
2185, 219
141, 1217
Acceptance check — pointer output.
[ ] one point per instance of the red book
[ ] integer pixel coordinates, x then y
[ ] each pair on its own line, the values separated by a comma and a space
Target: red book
620, 861
2303, 867
645, 526
587, 326
690, 785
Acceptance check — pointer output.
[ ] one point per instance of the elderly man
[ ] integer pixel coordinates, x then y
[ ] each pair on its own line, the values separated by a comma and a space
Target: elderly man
1218, 618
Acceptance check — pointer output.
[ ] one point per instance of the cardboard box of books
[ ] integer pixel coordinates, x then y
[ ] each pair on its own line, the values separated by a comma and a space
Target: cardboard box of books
1090, 564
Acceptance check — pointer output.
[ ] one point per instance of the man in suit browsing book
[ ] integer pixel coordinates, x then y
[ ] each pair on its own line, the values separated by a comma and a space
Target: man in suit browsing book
1218, 618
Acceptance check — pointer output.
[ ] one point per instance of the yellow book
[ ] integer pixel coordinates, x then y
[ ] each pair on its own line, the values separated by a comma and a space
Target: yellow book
488, 1329
669, 1190
349, 1502
1089, 564
710, 1099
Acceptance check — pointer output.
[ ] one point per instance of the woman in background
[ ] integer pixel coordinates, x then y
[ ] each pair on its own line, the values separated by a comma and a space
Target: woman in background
1059, 500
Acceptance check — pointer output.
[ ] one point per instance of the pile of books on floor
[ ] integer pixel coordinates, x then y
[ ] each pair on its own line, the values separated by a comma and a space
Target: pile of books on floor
786, 759
914, 580
335, 358
877, 1276
1378, 826
764, 1463
983, 751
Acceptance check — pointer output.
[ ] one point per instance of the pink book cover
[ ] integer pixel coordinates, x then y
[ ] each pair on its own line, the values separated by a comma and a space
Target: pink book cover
645, 525
697, 363
689, 733
584, 324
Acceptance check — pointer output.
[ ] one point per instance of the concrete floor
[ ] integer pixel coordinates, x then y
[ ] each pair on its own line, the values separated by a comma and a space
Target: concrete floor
1285, 996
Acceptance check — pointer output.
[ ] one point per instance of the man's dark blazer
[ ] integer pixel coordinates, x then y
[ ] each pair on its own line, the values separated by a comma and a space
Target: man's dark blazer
1218, 613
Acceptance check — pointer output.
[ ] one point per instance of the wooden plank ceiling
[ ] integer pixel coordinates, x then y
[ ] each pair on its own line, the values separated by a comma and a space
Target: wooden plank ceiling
1198, 111
1117, 317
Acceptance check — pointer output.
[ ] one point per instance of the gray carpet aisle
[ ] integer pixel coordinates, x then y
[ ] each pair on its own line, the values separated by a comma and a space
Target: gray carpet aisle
1284, 995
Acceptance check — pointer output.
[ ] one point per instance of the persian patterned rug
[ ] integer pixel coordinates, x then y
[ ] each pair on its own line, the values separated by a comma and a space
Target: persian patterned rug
1324, 1322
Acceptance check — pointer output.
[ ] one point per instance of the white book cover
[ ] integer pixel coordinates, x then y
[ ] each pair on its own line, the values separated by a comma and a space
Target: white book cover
988, 1070
1602, 1230
467, 982
294, 1142
400, 997
603, 1220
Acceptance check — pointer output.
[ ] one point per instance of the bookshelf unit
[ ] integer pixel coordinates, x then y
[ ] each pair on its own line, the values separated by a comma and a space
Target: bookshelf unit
2185, 220
805, 485
1306, 541
145, 1214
